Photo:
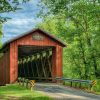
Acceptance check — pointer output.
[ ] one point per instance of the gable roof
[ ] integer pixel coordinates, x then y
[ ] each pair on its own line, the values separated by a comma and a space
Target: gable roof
29, 32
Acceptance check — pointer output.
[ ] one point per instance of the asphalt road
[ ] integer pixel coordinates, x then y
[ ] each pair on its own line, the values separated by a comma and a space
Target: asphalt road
59, 92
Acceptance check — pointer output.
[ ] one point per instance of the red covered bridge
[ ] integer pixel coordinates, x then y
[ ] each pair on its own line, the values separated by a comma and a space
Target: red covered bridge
33, 55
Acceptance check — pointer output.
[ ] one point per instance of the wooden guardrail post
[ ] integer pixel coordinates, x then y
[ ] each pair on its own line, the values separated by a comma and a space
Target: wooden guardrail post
19, 80
23, 81
71, 84
26, 81
80, 85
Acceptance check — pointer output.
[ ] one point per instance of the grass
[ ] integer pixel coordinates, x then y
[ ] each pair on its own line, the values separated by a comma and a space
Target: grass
16, 92
98, 93
96, 88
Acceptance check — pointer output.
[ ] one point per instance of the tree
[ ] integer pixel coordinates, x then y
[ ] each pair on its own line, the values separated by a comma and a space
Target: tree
9, 6
83, 15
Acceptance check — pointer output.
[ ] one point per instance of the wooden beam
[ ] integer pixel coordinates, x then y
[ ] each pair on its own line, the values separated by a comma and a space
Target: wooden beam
44, 74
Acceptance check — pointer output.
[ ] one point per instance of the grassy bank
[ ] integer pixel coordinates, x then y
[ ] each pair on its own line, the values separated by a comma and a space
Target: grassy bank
96, 88
16, 92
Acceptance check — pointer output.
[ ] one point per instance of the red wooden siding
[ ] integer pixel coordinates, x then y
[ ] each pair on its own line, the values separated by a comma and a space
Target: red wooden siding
4, 69
11, 57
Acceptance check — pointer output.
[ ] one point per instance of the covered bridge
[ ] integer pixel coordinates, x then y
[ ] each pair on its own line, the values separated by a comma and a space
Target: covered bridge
33, 55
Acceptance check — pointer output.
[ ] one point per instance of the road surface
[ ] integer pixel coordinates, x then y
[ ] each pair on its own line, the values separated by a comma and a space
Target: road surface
59, 92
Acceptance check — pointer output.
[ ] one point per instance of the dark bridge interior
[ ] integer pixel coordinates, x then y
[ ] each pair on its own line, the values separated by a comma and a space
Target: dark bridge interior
35, 62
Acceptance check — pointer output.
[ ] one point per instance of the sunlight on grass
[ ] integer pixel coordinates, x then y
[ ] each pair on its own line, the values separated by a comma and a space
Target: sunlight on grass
20, 93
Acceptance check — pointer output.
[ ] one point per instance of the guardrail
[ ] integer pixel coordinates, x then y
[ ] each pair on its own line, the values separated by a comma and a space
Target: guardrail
26, 82
30, 83
90, 83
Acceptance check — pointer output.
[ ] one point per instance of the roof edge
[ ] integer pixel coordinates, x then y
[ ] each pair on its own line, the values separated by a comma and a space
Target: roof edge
53, 37
35, 29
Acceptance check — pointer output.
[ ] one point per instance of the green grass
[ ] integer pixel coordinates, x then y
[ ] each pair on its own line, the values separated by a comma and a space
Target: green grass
98, 93
96, 88
16, 92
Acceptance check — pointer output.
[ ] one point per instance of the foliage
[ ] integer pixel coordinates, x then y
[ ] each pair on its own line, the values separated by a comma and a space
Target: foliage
17, 92
76, 22
97, 86
0, 35
9, 6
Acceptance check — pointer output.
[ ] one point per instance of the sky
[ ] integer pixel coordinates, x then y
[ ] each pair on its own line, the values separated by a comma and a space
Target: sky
21, 21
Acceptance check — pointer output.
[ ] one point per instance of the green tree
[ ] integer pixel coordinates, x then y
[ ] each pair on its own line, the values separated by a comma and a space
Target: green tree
9, 6
82, 21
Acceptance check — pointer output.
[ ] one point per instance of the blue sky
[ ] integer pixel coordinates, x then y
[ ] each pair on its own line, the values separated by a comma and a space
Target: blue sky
21, 21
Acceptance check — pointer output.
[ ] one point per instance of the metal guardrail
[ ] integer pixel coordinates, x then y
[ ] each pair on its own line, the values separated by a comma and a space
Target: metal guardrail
75, 80
88, 82
30, 83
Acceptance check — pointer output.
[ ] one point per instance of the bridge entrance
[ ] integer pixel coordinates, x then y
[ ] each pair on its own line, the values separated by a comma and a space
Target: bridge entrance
35, 62
34, 55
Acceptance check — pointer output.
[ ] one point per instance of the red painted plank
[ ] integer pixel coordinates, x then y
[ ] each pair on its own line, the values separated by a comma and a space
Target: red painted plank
27, 40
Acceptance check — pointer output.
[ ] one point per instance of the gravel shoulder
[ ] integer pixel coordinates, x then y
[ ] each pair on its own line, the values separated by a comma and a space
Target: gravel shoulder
59, 92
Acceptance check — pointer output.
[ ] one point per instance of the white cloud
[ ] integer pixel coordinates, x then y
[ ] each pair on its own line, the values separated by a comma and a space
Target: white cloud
10, 31
23, 21
18, 26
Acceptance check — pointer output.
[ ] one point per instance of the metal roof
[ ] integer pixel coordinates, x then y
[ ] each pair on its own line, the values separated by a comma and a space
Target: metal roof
29, 32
